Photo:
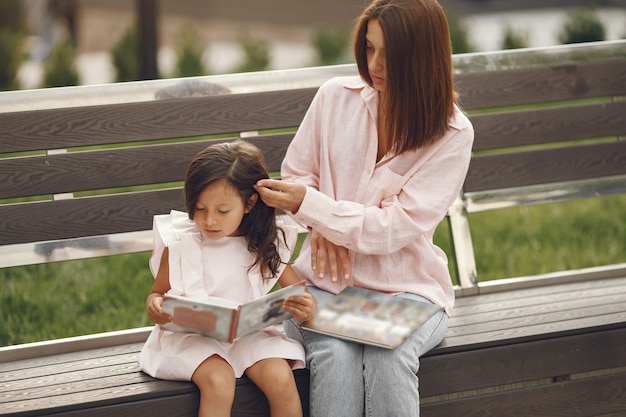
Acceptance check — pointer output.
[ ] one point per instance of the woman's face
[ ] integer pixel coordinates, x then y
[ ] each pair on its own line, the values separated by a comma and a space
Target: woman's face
375, 52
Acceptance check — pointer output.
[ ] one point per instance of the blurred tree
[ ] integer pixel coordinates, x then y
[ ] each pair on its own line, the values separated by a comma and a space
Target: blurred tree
582, 25
60, 66
256, 53
332, 46
147, 38
189, 52
514, 40
459, 35
11, 56
11, 42
125, 56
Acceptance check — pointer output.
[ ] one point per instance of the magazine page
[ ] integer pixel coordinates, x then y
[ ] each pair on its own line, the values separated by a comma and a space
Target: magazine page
267, 310
213, 318
371, 317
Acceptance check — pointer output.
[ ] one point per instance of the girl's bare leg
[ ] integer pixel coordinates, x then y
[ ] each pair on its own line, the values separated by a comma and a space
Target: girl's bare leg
274, 377
216, 380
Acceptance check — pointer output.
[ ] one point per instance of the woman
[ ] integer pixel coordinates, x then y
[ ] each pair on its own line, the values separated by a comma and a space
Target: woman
372, 171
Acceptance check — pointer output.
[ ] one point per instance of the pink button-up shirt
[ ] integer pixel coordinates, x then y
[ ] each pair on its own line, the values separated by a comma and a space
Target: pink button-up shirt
384, 212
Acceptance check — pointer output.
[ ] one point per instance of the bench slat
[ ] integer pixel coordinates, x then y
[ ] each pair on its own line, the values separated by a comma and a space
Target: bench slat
121, 167
517, 363
591, 397
102, 215
134, 122
542, 84
500, 171
533, 331
550, 125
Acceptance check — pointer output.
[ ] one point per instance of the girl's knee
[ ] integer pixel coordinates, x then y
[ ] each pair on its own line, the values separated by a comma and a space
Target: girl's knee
273, 376
215, 376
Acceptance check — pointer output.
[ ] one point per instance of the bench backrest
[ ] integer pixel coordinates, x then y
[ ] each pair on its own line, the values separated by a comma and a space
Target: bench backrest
84, 169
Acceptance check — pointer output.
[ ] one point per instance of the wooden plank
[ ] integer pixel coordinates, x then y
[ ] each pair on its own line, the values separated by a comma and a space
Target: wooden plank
68, 398
104, 353
553, 298
101, 215
548, 125
122, 167
520, 362
542, 84
181, 405
491, 172
115, 392
132, 122
585, 398
519, 315
610, 283
529, 331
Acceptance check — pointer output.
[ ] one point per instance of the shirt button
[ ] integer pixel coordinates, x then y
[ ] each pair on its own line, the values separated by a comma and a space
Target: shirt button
348, 245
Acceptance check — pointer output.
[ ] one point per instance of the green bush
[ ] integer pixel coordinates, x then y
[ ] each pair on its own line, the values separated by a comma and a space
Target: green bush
11, 57
513, 40
60, 66
256, 53
332, 46
125, 56
582, 25
189, 51
459, 35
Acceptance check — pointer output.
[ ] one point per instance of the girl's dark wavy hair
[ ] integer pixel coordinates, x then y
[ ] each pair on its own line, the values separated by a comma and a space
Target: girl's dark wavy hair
241, 164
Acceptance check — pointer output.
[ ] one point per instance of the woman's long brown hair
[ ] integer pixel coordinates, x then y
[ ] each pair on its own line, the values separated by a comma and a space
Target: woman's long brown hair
420, 96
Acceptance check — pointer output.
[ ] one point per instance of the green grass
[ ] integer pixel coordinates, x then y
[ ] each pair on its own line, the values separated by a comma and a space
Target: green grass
54, 300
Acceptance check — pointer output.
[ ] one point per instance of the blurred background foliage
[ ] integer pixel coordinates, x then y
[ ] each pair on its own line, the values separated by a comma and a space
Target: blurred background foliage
330, 46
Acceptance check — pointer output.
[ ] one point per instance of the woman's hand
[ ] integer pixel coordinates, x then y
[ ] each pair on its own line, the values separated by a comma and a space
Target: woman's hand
283, 195
302, 308
325, 253
154, 304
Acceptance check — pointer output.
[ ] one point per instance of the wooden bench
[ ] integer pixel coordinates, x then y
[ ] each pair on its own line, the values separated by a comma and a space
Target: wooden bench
543, 345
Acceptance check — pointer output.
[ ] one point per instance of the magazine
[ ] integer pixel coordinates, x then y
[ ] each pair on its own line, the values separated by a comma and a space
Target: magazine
226, 320
371, 317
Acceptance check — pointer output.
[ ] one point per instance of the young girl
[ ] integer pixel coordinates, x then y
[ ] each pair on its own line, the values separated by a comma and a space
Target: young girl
228, 245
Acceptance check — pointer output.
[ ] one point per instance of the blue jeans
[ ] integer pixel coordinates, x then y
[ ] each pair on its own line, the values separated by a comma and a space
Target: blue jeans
350, 379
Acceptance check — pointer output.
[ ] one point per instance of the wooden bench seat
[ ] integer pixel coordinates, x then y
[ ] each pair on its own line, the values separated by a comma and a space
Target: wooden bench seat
546, 346
83, 170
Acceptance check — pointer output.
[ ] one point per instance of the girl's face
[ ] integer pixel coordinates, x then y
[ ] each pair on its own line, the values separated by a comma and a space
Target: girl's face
375, 53
220, 209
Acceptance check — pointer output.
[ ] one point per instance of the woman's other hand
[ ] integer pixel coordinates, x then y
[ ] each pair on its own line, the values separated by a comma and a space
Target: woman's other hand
324, 252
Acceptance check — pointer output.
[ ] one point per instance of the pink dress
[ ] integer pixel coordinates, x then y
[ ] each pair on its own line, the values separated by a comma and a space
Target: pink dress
212, 269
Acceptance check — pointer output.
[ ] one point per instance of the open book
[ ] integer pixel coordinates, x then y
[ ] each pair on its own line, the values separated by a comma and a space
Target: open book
226, 320
371, 317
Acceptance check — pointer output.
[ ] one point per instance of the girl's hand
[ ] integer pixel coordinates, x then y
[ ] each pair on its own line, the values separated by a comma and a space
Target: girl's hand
283, 195
324, 252
302, 308
154, 304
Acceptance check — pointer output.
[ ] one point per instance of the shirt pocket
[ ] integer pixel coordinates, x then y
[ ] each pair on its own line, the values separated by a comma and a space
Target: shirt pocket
385, 185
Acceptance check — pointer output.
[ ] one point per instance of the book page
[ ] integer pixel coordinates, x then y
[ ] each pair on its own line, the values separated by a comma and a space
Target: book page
266, 311
212, 318
371, 317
